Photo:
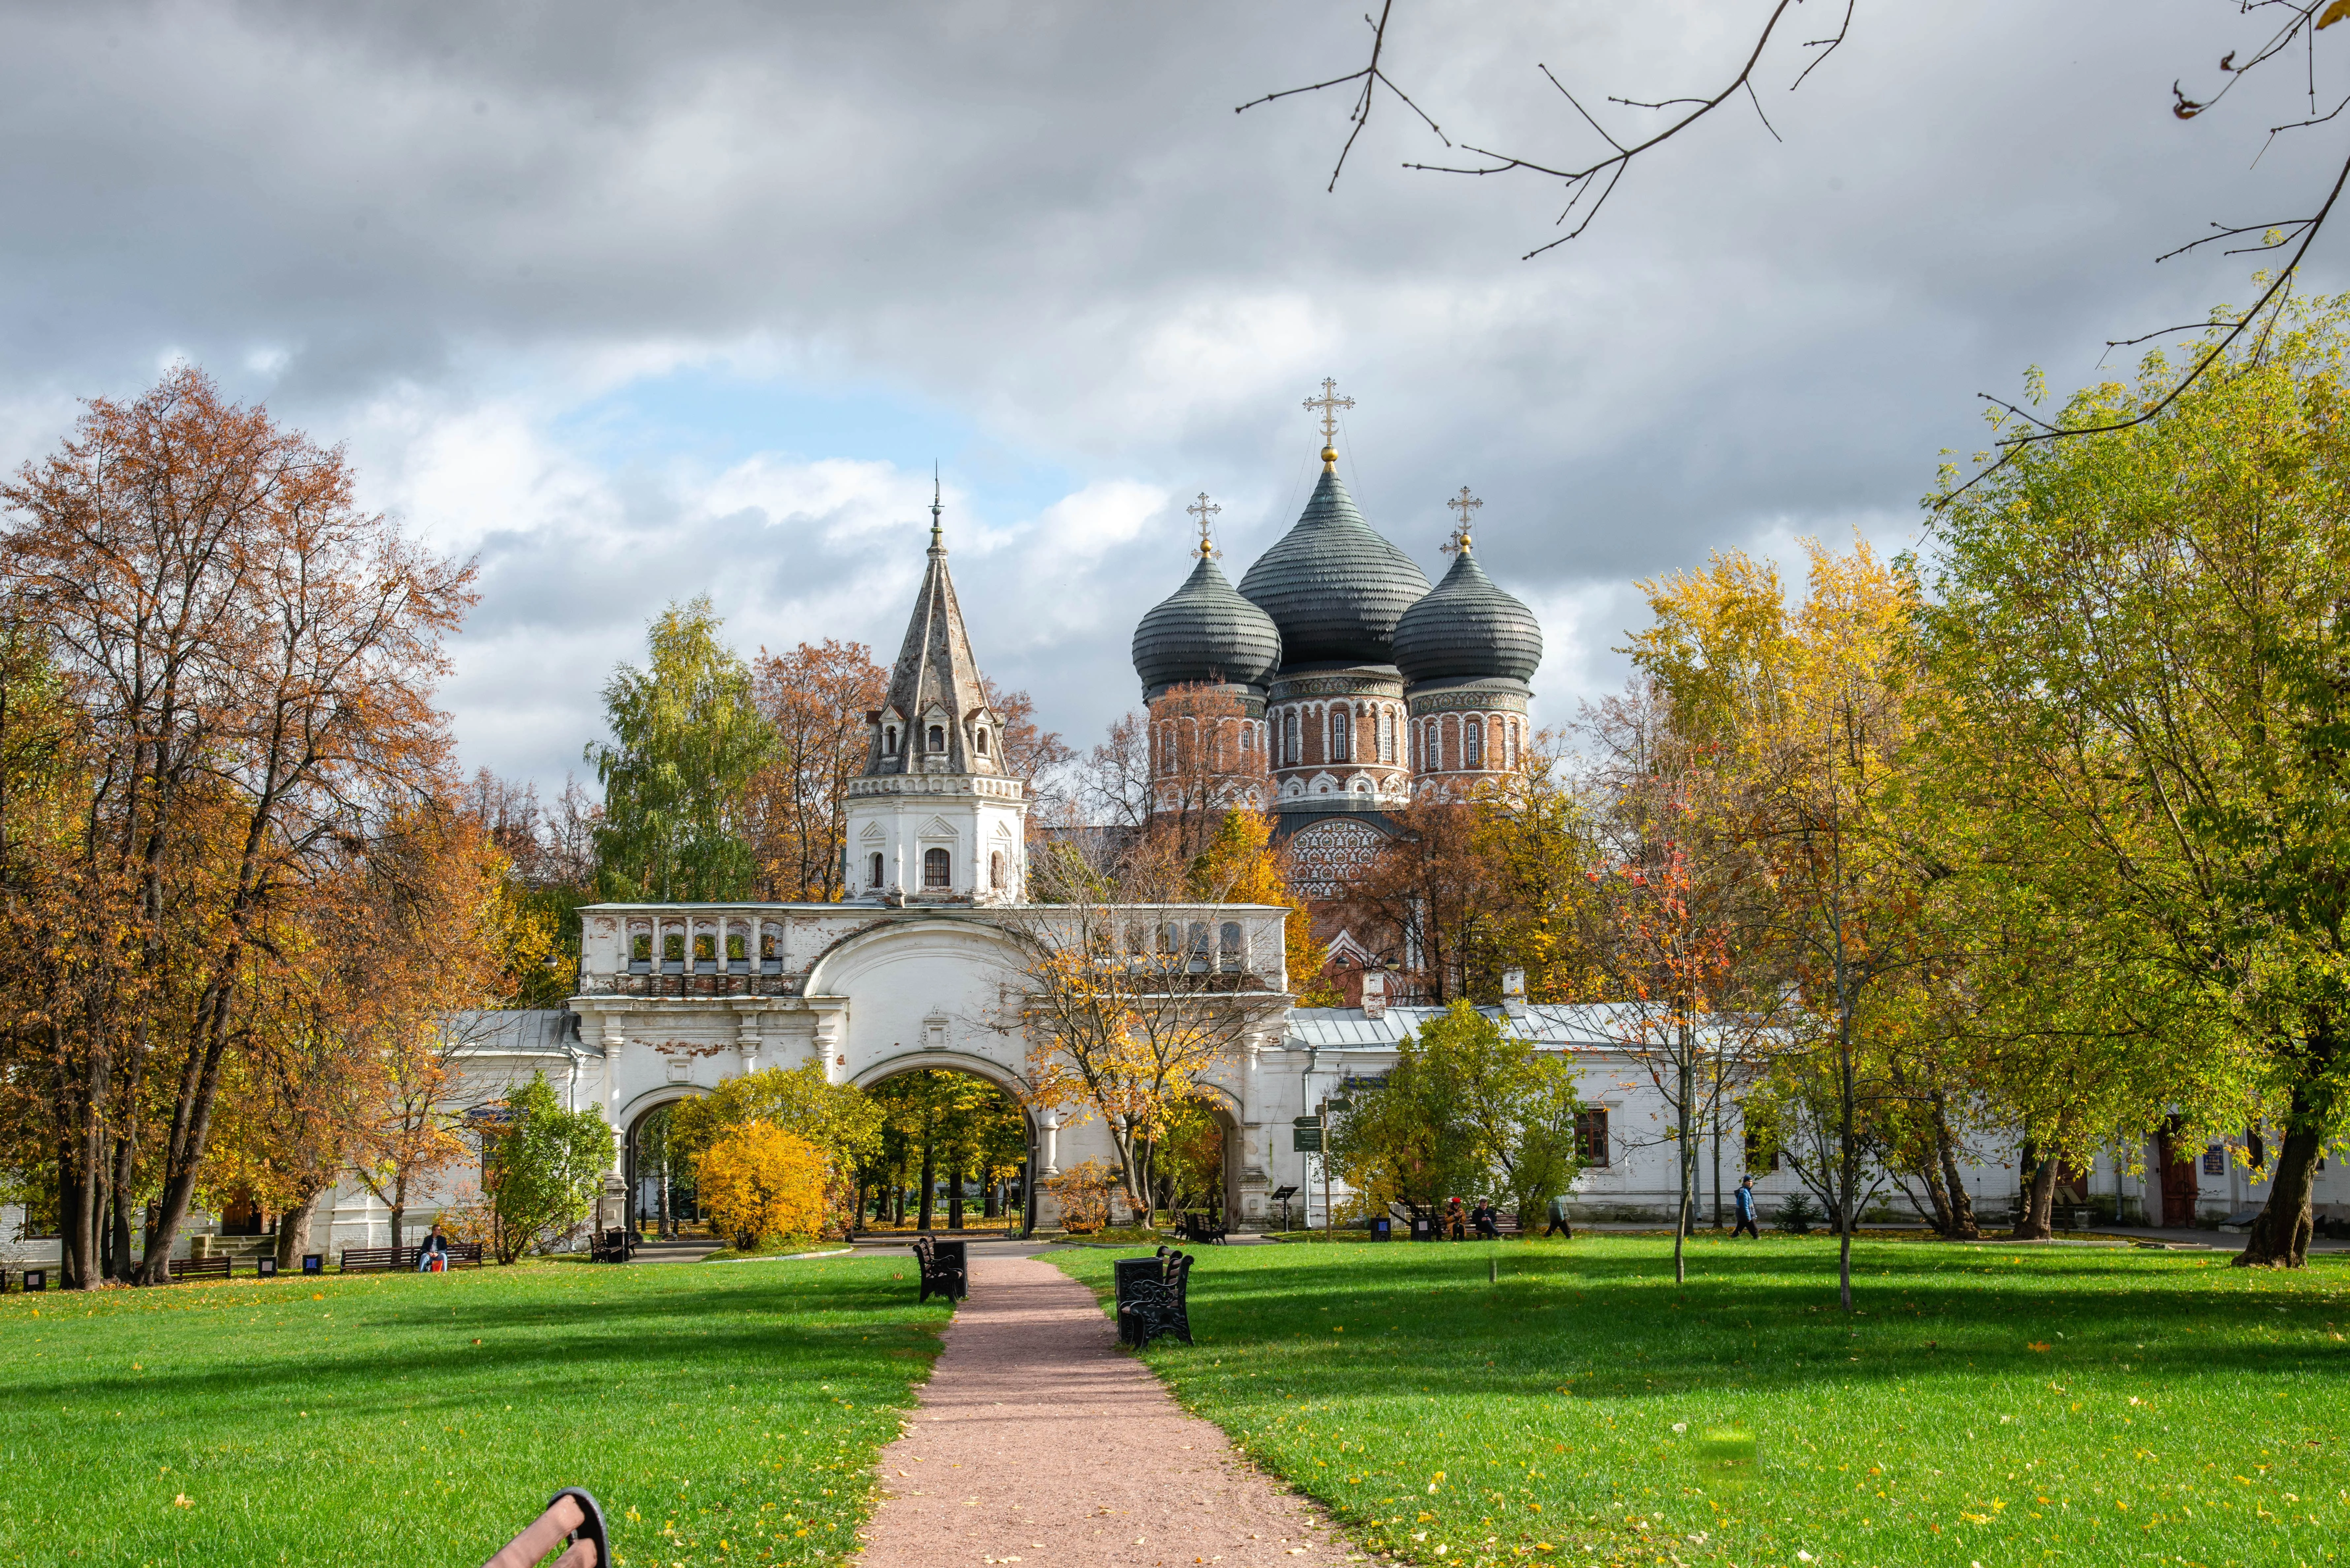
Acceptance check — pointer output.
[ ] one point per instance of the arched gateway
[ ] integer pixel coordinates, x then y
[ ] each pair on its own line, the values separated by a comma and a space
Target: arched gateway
928, 963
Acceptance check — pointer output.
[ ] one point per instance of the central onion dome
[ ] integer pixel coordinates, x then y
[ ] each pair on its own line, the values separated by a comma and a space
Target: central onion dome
1468, 629
1205, 634
1332, 585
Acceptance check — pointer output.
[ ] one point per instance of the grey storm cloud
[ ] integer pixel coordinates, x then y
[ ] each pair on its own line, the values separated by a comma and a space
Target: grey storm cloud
417, 227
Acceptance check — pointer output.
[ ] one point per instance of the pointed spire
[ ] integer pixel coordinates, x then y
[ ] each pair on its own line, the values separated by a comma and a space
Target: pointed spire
936, 684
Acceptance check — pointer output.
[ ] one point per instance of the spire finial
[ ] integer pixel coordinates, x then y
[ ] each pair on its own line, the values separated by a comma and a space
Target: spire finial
937, 546
1329, 402
1464, 504
1204, 509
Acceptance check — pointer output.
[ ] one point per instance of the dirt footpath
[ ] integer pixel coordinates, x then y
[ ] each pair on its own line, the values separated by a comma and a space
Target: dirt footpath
1037, 1443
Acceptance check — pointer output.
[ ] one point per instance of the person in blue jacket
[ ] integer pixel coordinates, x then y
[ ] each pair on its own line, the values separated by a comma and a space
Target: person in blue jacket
1746, 1211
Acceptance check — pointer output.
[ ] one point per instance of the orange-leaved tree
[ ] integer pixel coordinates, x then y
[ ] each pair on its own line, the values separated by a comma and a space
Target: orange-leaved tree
759, 1183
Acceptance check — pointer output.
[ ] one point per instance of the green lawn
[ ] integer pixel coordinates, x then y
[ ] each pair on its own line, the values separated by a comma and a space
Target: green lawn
1993, 1405
721, 1413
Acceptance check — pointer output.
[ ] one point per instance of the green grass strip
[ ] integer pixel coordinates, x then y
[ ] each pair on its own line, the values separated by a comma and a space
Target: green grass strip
1993, 1406
719, 1415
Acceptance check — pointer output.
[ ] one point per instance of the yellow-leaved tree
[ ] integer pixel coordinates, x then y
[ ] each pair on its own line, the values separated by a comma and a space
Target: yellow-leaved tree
761, 1183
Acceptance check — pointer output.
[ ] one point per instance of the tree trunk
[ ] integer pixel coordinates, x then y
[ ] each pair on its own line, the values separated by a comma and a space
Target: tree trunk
399, 1214
1847, 1141
930, 1185
126, 1156
954, 1195
993, 1201
1684, 1161
2278, 1238
1964, 1226
293, 1228
1717, 1138
1931, 1176
2035, 1197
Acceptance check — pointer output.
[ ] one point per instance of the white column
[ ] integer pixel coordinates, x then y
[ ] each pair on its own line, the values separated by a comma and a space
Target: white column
1052, 1142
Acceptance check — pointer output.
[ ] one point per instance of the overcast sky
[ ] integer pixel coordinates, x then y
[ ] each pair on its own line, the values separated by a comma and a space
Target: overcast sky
632, 303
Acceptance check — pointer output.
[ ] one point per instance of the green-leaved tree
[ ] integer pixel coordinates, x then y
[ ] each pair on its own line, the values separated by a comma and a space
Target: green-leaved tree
688, 740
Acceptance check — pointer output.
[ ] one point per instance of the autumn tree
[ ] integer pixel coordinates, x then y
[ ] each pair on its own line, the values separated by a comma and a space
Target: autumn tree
2148, 630
759, 1182
816, 699
688, 740
1804, 714
1430, 891
1203, 763
1126, 1010
254, 656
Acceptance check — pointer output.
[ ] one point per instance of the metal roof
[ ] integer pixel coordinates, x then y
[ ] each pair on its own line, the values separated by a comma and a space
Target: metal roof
518, 1031
1468, 627
1544, 1024
1333, 583
1204, 633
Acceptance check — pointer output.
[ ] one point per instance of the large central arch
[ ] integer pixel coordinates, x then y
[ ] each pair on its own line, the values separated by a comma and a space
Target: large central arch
935, 985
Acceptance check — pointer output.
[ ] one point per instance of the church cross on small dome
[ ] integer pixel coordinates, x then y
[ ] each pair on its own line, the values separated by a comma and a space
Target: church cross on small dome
1464, 504
1204, 509
1329, 402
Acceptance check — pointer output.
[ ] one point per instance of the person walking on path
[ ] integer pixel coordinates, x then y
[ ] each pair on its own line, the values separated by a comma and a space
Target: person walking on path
1558, 1221
1746, 1211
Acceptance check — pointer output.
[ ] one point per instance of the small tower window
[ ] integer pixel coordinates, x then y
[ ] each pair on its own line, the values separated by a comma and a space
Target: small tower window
889, 742
995, 870
875, 879
938, 737
979, 738
937, 870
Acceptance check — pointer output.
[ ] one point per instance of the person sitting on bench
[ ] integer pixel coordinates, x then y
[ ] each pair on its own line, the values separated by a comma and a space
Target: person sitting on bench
432, 1258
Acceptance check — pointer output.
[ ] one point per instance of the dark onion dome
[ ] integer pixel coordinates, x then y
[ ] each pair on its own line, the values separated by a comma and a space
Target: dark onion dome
1204, 633
1332, 585
1467, 628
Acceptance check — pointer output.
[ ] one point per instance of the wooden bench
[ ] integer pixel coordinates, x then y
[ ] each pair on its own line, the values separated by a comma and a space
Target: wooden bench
1200, 1228
381, 1259
199, 1268
614, 1246
1154, 1297
945, 1269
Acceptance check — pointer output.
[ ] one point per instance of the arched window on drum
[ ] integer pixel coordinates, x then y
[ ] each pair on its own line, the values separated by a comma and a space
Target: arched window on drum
1229, 951
938, 870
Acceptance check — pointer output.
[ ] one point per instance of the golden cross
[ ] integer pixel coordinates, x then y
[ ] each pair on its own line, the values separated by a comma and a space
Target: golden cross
1204, 509
1464, 504
1329, 402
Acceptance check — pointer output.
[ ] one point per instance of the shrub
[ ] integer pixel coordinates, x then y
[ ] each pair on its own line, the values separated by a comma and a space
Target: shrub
1797, 1214
542, 1169
760, 1181
1083, 1191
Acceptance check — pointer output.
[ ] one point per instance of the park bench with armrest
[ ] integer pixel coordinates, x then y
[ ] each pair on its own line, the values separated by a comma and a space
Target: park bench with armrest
613, 1246
1154, 1297
199, 1268
378, 1259
945, 1271
1200, 1227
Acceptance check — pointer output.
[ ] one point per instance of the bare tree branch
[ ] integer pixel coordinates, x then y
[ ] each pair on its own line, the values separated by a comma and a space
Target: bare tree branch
1372, 78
